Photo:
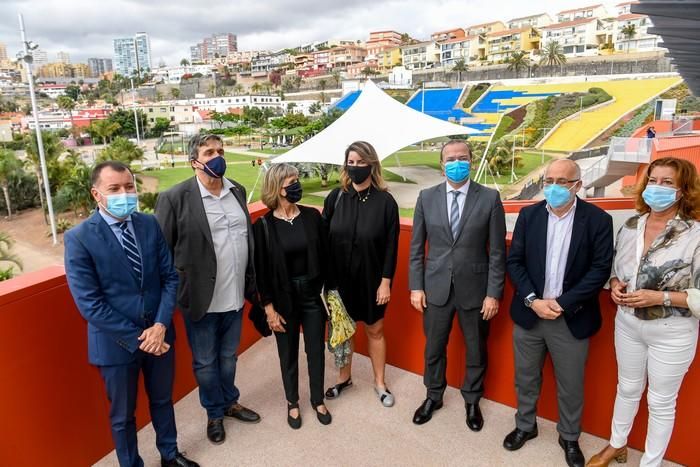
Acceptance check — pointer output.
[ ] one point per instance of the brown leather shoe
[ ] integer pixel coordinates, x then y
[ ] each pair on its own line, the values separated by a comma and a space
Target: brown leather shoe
604, 457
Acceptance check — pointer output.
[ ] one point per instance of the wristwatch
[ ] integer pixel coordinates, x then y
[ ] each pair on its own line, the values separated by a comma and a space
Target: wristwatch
530, 299
667, 299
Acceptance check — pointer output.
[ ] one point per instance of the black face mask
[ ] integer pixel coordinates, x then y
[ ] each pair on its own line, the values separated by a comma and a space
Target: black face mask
294, 192
358, 174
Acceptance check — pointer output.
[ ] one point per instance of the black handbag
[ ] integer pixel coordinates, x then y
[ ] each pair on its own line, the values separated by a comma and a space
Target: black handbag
257, 313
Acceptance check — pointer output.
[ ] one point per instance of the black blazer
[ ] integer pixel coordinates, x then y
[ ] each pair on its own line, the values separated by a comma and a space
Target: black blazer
180, 213
273, 282
587, 266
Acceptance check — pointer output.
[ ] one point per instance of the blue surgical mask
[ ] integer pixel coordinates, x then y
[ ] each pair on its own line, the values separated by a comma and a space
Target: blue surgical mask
121, 205
557, 195
457, 171
215, 168
659, 198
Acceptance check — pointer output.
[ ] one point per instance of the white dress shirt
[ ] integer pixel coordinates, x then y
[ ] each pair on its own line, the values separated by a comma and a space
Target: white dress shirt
229, 232
558, 242
460, 200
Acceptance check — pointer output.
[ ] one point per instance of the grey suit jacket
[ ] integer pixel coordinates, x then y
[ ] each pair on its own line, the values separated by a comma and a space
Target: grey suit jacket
475, 261
180, 213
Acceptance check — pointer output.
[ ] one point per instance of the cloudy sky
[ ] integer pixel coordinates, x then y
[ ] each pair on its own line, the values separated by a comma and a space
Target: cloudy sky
85, 28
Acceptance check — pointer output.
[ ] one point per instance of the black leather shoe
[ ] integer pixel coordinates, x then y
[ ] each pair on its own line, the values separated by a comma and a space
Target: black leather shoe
475, 421
425, 411
572, 453
294, 423
178, 461
517, 438
324, 418
242, 414
215, 430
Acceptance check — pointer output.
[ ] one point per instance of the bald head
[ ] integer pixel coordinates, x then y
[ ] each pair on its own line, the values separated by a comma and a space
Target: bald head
561, 169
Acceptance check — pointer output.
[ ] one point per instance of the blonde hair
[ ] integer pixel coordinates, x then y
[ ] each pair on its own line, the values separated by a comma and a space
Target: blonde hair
274, 182
368, 154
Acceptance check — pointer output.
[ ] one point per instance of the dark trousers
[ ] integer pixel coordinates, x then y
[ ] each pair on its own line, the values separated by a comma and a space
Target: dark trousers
121, 382
437, 324
569, 358
308, 313
214, 342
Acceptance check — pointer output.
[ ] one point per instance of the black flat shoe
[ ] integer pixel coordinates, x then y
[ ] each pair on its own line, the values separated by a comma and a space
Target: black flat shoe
425, 412
517, 438
335, 391
475, 421
294, 423
215, 430
242, 414
572, 453
324, 418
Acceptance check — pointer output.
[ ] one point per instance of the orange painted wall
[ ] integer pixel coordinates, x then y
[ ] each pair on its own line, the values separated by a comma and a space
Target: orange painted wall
48, 388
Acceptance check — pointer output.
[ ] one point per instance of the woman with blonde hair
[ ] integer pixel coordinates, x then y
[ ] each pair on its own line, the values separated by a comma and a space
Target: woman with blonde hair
290, 242
363, 224
656, 286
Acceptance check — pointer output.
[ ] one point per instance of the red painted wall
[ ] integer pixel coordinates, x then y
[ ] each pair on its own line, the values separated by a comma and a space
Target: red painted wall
55, 413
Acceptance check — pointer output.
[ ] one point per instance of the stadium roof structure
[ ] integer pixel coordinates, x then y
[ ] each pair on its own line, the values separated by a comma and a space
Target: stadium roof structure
378, 119
678, 23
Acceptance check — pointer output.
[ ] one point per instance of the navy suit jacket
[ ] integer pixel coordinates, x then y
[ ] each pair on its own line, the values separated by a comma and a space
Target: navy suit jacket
107, 292
587, 266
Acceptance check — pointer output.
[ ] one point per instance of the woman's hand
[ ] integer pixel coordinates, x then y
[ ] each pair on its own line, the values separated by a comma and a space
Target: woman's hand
274, 319
384, 292
643, 298
617, 290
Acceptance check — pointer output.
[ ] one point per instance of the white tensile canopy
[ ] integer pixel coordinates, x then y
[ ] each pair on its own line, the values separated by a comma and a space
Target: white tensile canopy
377, 118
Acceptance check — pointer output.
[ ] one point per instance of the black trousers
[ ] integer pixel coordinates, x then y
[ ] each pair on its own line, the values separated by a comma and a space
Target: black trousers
308, 314
437, 324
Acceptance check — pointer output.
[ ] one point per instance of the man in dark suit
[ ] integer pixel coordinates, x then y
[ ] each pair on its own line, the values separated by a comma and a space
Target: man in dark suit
121, 276
205, 221
464, 272
560, 258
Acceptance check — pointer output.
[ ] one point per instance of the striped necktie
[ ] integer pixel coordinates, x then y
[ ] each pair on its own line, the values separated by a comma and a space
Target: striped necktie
132, 252
454, 214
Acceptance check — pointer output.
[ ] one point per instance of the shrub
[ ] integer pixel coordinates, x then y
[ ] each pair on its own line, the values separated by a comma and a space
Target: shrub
24, 192
147, 201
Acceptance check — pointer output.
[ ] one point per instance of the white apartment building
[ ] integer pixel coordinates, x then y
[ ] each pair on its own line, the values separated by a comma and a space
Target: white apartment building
460, 48
641, 41
533, 21
421, 55
174, 74
581, 37
586, 12
271, 61
227, 103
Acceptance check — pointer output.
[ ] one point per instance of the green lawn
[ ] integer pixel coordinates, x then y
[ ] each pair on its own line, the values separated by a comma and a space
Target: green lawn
272, 152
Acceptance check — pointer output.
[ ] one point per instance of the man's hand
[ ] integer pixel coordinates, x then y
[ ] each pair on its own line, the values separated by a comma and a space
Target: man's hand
546, 309
617, 290
152, 339
489, 308
418, 300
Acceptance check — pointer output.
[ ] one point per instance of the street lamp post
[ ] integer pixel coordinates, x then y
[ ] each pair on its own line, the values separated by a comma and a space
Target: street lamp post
136, 118
26, 57
544, 133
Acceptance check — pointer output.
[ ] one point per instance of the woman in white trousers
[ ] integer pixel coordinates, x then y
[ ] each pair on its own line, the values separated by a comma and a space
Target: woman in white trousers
656, 285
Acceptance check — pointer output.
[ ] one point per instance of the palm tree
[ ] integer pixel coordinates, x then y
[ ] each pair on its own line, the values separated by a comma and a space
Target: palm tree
322, 83
212, 89
460, 66
175, 93
255, 88
336, 78
518, 61
238, 89
9, 165
52, 149
6, 255
552, 54
184, 62
629, 32
104, 129
68, 104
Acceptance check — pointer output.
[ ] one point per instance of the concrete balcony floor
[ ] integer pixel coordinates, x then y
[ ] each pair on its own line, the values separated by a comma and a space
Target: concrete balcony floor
363, 432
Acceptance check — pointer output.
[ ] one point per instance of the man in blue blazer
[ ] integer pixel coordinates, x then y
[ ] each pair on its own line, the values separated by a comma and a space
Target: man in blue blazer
559, 259
121, 276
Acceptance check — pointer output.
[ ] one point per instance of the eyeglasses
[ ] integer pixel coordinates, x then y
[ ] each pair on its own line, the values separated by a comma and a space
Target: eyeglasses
559, 181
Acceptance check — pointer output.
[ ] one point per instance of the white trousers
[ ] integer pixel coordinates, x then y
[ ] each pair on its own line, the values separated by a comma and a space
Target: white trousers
661, 351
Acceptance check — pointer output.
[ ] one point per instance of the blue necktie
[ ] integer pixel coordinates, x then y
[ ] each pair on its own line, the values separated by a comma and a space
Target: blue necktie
132, 253
454, 214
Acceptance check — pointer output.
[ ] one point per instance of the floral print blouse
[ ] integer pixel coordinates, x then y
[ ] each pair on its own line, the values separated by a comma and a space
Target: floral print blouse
672, 262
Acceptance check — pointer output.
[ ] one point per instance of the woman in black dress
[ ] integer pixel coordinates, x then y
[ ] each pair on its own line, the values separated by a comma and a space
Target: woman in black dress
363, 223
290, 241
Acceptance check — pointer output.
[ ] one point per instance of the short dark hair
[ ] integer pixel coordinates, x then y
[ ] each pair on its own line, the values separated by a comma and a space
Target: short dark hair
114, 165
198, 141
452, 142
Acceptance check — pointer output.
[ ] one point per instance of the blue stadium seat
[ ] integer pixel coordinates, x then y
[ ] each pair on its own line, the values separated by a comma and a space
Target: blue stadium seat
439, 103
346, 101
488, 104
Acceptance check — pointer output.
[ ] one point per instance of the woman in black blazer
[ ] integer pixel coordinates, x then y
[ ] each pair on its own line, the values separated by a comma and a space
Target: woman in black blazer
289, 244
